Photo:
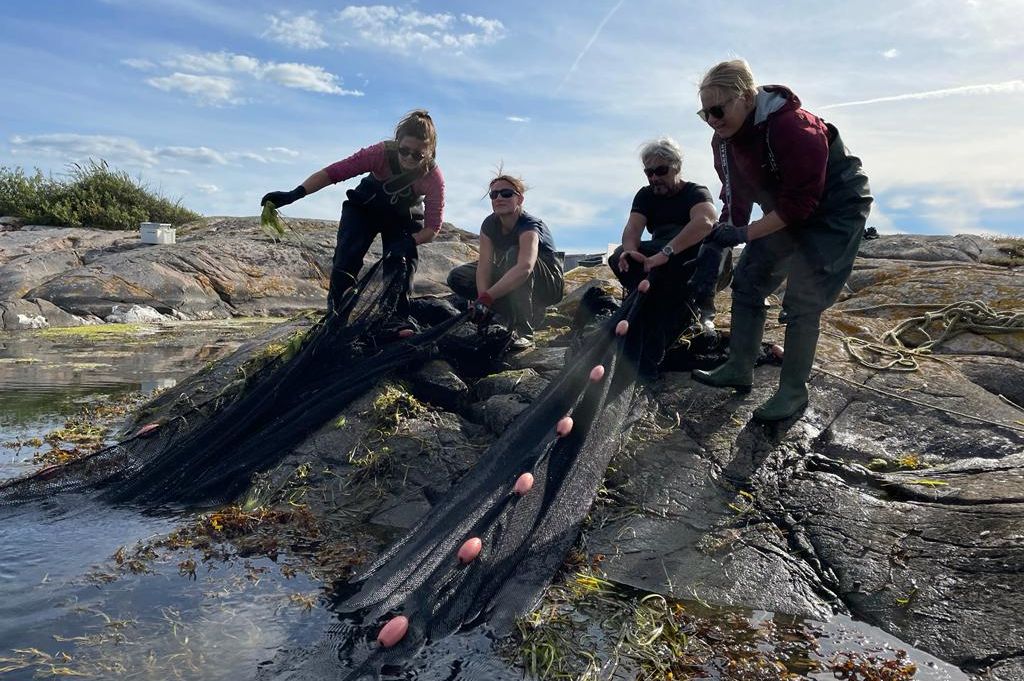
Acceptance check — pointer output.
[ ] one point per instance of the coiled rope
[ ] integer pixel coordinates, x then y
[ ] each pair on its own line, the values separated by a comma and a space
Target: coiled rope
897, 349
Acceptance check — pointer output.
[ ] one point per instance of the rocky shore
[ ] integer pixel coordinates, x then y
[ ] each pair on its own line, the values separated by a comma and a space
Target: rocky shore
897, 498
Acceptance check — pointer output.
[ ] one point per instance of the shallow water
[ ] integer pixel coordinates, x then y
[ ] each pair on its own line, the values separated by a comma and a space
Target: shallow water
65, 605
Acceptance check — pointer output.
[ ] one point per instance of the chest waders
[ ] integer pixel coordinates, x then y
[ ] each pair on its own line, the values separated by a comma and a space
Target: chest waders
390, 208
816, 257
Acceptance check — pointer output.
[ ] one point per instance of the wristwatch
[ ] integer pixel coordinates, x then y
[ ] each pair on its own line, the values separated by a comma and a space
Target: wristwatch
667, 250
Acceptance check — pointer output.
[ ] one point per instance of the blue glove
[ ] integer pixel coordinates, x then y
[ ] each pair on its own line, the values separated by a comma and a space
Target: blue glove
727, 236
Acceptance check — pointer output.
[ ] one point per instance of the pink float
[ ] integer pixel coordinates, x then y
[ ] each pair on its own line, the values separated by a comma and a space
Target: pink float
405, 333
393, 632
147, 430
597, 373
524, 483
470, 549
622, 328
564, 426
644, 286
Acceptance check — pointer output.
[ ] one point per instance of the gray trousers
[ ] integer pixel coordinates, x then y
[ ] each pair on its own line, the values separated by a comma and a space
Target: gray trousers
523, 309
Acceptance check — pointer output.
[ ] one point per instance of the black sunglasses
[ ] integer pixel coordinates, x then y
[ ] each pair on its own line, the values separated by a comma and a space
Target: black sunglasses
716, 111
406, 151
660, 171
503, 193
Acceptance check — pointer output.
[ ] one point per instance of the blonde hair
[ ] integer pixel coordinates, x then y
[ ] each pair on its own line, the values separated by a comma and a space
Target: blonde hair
733, 77
418, 123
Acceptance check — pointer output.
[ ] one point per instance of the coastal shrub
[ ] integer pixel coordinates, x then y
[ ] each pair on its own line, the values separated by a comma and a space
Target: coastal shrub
91, 195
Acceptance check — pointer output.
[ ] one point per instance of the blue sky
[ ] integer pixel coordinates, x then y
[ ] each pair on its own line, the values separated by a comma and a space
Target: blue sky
220, 102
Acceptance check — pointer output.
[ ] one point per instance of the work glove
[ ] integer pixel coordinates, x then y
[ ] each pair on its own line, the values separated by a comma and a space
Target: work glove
707, 267
727, 236
282, 199
480, 310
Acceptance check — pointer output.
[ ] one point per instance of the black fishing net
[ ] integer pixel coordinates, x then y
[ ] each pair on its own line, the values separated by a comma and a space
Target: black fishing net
524, 538
204, 459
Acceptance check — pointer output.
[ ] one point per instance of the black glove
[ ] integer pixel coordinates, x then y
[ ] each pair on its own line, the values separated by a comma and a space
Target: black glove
727, 236
707, 267
282, 199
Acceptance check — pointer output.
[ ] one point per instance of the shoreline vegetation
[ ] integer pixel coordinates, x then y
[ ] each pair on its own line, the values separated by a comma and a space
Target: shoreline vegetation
90, 194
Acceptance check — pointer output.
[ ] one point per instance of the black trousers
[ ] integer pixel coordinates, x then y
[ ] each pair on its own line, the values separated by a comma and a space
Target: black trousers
524, 307
360, 224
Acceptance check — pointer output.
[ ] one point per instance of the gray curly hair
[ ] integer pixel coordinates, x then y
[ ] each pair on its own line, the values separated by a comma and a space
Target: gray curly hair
664, 148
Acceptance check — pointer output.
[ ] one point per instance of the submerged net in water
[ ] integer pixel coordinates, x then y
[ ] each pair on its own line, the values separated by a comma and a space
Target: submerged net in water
209, 460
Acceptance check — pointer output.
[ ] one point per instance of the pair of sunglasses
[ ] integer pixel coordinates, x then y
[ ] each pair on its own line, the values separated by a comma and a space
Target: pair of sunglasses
406, 151
660, 171
716, 111
503, 193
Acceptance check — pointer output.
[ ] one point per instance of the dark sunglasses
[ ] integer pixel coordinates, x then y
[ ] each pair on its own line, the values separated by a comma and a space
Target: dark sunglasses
503, 193
716, 111
406, 151
660, 171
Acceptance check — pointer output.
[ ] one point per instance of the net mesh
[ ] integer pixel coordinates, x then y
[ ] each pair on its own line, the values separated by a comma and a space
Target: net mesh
204, 460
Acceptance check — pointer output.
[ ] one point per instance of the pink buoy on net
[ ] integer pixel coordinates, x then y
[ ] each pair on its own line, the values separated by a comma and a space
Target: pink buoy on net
406, 333
564, 426
470, 549
394, 631
147, 430
644, 286
777, 351
622, 328
524, 483
597, 373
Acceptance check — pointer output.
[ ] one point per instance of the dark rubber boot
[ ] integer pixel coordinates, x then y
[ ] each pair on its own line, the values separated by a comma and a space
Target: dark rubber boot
744, 344
791, 397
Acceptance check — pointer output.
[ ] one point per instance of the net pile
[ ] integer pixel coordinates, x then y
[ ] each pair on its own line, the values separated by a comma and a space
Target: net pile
524, 537
209, 461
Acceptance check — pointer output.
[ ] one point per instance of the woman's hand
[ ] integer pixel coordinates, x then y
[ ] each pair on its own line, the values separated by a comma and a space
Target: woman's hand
727, 236
282, 199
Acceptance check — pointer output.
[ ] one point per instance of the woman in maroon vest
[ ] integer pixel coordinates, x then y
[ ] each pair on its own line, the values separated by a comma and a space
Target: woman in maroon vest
401, 198
814, 197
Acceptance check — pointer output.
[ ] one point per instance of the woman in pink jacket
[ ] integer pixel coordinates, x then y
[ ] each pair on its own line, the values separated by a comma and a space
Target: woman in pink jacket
401, 198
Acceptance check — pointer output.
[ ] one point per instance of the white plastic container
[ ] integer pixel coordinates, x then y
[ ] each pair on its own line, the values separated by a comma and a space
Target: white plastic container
156, 233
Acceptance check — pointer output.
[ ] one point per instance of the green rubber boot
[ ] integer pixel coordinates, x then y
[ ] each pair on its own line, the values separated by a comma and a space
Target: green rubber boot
791, 397
744, 343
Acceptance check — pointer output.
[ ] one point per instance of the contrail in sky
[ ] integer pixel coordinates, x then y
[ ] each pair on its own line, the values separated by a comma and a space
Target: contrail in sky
586, 47
987, 89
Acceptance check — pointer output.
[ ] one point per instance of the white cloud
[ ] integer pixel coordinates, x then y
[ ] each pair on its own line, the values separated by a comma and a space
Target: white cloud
175, 171
1007, 87
586, 48
301, 31
305, 77
409, 30
249, 156
210, 90
221, 89
208, 188
283, 151
76, 147
140, 64
204, 155
891, 53
215, 62
518, 119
